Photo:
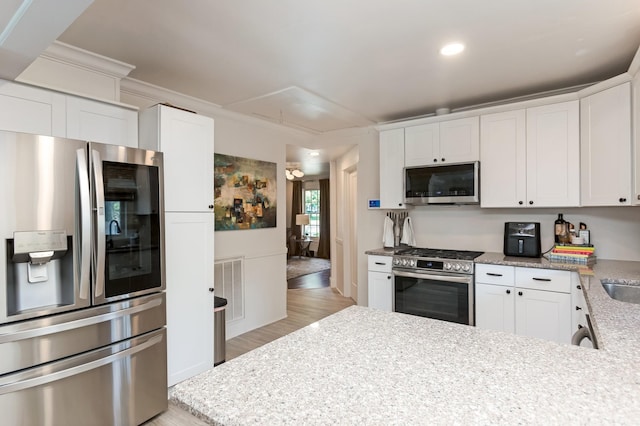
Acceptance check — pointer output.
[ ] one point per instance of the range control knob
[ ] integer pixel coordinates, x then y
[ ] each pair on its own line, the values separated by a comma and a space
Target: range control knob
447, 266
457, 266
404, 262
412, 263
465, 268
396, 261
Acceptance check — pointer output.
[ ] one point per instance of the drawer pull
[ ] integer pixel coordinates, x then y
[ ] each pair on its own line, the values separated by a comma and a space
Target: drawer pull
380, 263
493, 274
542, 279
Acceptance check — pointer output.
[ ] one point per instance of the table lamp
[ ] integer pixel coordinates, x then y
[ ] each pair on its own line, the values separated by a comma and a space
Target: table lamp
302, 219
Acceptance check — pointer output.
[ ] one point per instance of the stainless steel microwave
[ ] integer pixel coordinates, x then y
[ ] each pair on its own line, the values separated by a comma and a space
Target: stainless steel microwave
442, 184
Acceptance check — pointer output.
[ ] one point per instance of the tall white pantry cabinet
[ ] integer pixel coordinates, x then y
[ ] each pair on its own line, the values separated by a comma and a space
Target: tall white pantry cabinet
187, 141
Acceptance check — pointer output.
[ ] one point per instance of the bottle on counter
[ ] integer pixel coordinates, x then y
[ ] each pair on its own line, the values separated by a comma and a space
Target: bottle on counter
560, 228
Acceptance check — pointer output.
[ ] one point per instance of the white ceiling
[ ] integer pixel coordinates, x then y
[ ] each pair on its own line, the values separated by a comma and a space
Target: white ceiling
323, 65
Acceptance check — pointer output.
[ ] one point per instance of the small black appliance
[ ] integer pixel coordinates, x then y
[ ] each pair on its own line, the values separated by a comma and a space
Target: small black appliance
522, 239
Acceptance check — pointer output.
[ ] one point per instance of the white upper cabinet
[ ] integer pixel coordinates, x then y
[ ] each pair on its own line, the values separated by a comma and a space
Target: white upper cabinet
101, 122
605, 147
392, 169
186, 139
29, 109
530, 157
460, 140
503, 159
553, 149
421, 144
453, 141
635, 85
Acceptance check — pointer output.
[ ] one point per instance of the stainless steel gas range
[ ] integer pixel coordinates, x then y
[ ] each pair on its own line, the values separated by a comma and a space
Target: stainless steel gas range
435, 283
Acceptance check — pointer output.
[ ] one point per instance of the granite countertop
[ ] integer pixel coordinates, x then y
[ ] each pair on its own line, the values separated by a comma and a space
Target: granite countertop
365, 366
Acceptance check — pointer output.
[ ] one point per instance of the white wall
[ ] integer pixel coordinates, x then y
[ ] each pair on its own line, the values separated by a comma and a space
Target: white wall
363, 157
263, 250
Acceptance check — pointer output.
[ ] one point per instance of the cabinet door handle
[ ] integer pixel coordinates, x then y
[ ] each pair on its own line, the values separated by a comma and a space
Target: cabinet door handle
531, 202
542, 279
210, 206
508, 291
578, 308
211, 289
493, 274
388, 277
520, 202
519, 293
435, 160
443, 160
579, 287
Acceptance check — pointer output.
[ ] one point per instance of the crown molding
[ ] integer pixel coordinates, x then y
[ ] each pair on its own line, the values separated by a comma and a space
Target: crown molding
75, 56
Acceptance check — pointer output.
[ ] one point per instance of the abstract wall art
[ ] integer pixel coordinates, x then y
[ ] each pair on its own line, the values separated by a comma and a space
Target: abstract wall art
245, 193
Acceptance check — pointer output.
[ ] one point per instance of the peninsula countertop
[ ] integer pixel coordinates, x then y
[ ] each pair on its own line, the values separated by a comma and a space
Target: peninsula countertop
362, 366
365, 366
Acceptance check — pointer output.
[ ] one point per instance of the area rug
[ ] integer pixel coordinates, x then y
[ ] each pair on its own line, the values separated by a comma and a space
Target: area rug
306, 265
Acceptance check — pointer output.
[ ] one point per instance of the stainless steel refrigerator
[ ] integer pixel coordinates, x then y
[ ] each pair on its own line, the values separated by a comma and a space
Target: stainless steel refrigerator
82, 302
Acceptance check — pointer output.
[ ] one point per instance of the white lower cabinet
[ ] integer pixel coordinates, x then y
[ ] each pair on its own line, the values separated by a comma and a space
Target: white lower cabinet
543, 314
380, 283
527, 301
495, 307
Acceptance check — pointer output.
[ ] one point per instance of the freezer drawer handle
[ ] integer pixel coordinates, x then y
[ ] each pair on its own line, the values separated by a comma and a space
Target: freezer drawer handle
84, 322
37, 381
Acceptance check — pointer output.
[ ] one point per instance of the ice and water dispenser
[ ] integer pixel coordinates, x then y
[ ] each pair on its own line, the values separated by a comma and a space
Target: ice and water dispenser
39, 267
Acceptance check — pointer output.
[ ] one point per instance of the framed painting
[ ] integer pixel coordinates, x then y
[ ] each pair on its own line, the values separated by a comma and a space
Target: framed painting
245, 193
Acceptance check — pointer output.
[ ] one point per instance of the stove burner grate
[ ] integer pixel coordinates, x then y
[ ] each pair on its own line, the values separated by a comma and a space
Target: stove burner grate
438, 253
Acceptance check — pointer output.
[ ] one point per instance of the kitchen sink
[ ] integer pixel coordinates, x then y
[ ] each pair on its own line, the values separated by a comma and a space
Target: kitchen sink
623, 292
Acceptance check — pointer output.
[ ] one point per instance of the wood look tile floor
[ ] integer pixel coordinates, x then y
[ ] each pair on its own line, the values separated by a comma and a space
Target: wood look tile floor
304, 306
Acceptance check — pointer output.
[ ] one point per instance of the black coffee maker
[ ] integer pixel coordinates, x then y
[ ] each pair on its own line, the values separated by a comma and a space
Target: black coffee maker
522, 239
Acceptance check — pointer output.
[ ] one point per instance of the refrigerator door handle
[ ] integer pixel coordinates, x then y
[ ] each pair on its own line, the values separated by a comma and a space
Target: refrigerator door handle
78, 369
77, 323
99, 231
83, 230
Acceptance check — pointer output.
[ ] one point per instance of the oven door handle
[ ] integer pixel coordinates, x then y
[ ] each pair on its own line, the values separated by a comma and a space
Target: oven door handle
448, 278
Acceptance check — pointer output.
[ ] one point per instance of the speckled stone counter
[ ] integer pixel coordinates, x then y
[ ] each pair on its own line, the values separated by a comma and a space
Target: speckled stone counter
364, 366
367, 367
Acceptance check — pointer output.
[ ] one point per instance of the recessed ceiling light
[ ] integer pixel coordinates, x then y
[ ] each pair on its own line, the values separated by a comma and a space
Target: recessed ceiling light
452, 49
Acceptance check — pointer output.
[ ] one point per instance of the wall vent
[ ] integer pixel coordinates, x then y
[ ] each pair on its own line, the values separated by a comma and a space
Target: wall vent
229, 283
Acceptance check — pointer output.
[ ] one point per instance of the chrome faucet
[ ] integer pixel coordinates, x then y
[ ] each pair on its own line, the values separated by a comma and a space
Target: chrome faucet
118, 230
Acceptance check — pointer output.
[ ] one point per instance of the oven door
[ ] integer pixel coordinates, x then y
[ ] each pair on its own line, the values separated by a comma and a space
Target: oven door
435, 295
